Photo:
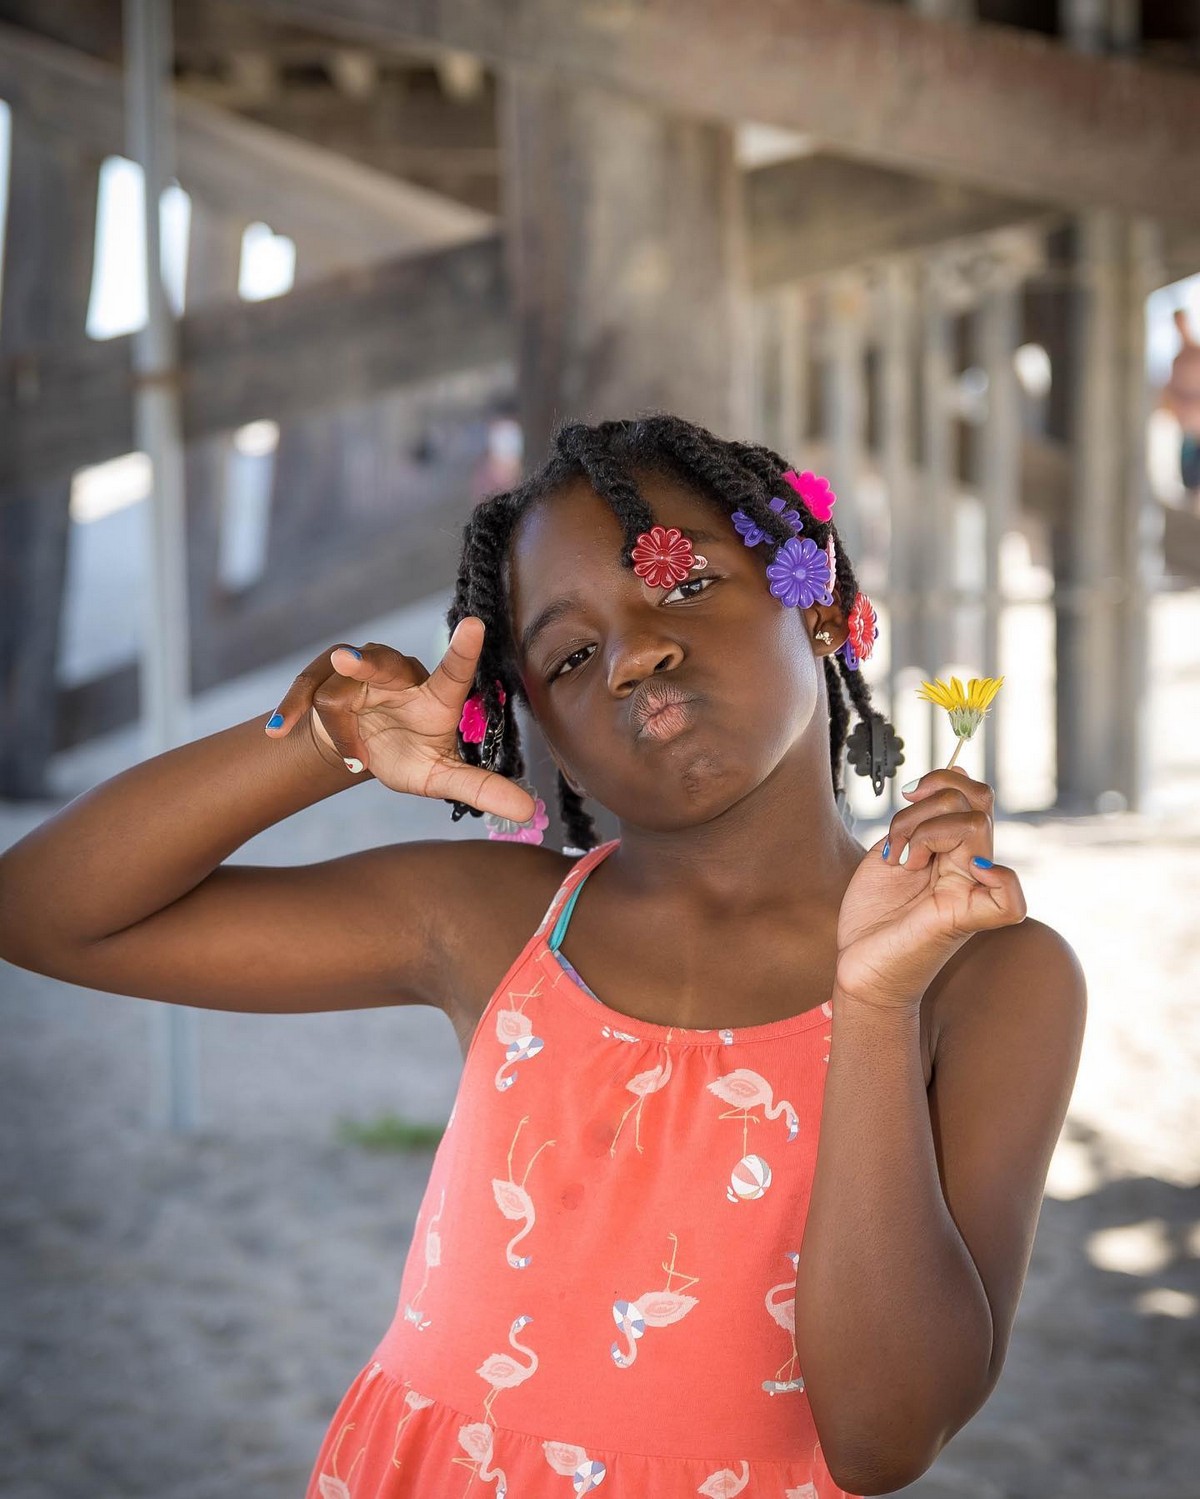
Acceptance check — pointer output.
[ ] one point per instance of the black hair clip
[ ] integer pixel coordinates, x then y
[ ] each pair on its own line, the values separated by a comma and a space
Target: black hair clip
874, 750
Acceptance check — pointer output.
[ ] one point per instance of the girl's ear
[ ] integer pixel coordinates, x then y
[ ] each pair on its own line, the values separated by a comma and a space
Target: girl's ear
826, 618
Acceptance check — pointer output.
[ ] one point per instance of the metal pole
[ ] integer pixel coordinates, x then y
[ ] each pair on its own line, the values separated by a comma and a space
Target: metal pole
164, 677
996, 329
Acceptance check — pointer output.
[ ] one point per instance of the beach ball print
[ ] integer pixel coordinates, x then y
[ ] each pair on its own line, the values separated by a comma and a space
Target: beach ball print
751, 1177
586, 1473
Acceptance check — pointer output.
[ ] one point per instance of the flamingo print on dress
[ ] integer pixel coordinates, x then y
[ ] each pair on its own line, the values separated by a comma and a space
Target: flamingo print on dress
724, 1483
476, 1441
827, 1011
514, 1031
502, 1371
652, 1309
586, 1473
433, 1258
780, 1302
330, 1485
641, 1085
746, 1090
515, 1202
415, 1402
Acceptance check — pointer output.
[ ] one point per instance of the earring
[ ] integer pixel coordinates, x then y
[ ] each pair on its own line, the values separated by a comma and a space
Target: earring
823, 635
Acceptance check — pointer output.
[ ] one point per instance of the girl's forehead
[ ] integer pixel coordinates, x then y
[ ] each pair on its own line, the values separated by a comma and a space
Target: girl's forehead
575, 518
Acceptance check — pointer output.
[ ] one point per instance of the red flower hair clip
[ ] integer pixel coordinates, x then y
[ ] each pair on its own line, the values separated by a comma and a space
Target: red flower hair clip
664, 557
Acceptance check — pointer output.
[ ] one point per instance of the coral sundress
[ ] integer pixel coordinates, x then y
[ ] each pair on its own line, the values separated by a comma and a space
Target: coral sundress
599, 1290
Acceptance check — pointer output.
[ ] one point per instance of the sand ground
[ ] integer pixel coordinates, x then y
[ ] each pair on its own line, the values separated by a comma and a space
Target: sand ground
180, 1314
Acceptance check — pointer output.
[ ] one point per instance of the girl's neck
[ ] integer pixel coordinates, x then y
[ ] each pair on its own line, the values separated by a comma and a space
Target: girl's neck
741, 861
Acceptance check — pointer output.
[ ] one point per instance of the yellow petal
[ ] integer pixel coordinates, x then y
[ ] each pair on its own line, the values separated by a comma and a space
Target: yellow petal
960, 697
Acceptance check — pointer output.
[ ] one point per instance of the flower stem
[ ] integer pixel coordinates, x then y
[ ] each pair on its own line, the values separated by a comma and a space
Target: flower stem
954, 756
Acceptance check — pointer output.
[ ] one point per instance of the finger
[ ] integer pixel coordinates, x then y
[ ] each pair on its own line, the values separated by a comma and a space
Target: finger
297, 700
377, 666
451, 680
1181, 322
968, 833
486, 789
978, 793
997, 899
938, 804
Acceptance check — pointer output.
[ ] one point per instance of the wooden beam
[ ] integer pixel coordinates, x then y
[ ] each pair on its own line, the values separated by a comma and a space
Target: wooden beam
235, 165
345, 339
47, 276
1001, 108
607, 317
815, 215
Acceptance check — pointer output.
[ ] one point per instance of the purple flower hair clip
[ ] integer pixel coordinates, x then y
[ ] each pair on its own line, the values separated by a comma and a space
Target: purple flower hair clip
800, 575
753, 534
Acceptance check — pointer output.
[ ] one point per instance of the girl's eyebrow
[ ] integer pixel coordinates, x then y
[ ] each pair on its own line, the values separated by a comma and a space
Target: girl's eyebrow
553, 611
565, 603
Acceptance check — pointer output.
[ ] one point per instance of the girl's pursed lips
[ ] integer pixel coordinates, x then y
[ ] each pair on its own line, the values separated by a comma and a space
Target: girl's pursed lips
652, 697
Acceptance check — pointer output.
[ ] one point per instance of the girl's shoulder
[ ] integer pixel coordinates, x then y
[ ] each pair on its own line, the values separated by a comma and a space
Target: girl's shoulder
498, 896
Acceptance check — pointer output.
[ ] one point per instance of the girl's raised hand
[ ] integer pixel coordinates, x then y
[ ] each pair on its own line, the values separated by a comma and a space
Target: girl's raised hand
900, 923
383, 712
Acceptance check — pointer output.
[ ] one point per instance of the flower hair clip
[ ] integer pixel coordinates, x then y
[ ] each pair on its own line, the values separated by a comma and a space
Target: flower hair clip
474, 722
664, 556
814, 490
863, 625
799, 574
753, 534
507, 830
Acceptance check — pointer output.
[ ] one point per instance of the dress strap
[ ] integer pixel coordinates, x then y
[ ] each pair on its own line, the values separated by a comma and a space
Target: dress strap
564, 898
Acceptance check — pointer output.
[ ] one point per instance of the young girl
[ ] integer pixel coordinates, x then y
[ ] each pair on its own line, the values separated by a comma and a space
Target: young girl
741, 1181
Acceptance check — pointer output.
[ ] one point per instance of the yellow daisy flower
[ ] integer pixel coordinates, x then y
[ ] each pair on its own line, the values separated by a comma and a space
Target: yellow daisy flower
967, 709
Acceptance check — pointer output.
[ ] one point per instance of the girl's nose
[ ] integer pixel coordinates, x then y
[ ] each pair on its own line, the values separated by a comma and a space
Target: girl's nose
635, 657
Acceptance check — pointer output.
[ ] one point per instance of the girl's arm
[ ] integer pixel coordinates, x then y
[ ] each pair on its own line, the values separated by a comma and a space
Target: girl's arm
924, 1207
124, 889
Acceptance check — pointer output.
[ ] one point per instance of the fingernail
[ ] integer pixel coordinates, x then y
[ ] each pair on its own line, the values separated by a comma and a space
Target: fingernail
983, 863
886, 846
350, 651
351, 763
275, 721
905, 854
911, 785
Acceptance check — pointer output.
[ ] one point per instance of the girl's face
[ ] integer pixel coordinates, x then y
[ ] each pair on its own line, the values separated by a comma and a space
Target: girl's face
589, 635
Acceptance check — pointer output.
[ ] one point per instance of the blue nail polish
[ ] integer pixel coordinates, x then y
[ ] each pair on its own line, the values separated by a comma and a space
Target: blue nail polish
886, 846
275, 721
983, 863
349, 649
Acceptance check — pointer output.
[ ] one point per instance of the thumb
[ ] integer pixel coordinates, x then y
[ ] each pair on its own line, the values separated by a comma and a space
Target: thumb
1181, 322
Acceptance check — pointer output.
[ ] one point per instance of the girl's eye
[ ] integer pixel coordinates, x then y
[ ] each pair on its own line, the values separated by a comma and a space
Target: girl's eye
691, 583
559, 672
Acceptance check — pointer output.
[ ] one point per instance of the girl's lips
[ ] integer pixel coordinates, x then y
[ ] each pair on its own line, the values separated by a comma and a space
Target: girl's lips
668, 721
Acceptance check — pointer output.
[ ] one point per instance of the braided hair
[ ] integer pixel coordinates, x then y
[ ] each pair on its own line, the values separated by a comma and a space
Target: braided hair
736, 475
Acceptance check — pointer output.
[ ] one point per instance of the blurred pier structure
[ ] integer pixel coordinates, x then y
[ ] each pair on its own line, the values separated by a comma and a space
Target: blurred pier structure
910, 246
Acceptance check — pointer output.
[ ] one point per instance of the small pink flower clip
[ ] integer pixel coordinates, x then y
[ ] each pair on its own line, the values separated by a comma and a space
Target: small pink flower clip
473, 723
814, 490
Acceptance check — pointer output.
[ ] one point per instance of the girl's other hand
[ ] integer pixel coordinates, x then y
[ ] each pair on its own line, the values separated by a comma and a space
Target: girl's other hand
384, 712
900, 923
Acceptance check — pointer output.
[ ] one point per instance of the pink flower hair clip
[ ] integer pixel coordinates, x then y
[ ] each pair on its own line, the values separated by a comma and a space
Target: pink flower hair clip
663, 557
473, 723
814, 490
506, 830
